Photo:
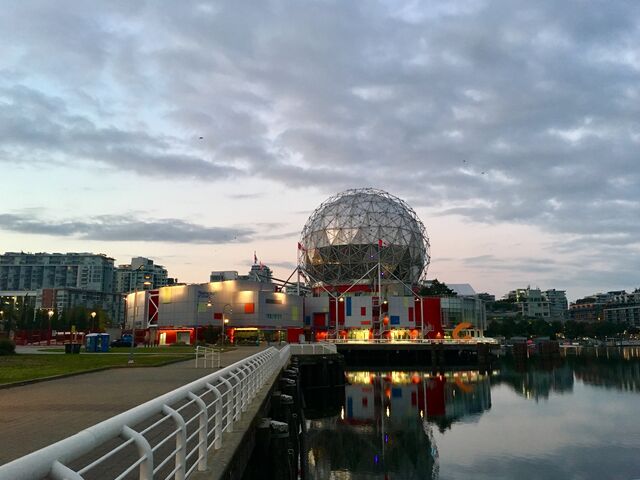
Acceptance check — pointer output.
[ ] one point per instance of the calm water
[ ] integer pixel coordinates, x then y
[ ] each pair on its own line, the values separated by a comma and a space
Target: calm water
573, 418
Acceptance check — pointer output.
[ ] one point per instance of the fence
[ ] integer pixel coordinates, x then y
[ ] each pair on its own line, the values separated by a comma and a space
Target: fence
312, 348
207, 356
167, 437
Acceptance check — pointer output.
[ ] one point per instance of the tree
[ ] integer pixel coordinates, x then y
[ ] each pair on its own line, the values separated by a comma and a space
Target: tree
436, 289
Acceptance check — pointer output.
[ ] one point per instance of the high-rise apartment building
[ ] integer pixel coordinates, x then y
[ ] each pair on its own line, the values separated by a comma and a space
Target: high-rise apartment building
615, 306
531, 301
62, 281
33, 271
142, 274
558, 305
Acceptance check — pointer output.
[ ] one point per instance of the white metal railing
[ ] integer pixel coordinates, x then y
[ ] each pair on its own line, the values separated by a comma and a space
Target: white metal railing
167, 437
312, 348
207, 356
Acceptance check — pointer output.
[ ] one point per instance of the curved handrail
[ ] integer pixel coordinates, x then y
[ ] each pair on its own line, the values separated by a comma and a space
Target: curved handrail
54, 459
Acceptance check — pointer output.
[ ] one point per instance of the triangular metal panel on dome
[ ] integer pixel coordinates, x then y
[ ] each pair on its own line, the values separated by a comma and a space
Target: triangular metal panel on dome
332, 235
361, 236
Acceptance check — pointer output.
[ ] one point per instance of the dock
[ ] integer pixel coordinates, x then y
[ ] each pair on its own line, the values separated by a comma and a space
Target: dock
425, 353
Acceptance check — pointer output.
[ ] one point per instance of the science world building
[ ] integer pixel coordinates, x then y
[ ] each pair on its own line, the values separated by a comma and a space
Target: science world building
363, 256
364, 253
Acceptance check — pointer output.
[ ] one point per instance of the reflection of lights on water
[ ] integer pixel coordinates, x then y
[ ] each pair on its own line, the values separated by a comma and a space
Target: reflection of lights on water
388, 412
342, 413
408, 378
421, 413
376, 459
386, 438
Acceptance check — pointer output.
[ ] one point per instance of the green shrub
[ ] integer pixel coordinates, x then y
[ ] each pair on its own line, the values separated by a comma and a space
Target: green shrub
7, 347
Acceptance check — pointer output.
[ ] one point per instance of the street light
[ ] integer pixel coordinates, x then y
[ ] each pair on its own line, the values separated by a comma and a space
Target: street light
419, 299
340, 300
93, 318
225, 320
49, 314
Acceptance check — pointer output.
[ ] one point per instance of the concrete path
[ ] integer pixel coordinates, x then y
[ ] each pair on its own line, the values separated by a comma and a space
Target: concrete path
34, 416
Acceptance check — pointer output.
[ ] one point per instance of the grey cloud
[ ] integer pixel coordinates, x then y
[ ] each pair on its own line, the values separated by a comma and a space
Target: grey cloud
491, 262
503, 111
120, 228
31, 120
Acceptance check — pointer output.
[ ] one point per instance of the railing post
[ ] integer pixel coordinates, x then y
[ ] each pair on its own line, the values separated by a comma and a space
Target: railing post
240, 373
181, 442
230, 408
144, 451
203, 431
217, 429
244, 390
247, 386
237, 387
254, 377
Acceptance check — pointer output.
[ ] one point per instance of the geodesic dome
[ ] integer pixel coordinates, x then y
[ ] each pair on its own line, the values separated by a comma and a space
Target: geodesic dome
341, 241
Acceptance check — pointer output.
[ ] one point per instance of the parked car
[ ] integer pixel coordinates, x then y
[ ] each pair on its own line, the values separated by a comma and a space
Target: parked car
122, 342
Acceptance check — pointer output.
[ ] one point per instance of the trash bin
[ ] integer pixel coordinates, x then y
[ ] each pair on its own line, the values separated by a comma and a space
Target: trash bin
72, 347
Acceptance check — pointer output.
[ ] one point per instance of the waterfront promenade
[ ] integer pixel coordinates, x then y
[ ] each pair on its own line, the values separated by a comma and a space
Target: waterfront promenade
36, 415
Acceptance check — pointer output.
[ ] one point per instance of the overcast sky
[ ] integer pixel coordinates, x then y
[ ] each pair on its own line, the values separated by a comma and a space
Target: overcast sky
197, 132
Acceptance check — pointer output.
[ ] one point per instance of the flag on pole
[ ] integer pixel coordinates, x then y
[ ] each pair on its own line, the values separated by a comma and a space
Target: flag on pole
382, 243
301, 247
255, 258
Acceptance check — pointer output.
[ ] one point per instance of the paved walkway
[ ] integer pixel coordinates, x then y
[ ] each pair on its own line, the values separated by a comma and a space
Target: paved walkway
34, 416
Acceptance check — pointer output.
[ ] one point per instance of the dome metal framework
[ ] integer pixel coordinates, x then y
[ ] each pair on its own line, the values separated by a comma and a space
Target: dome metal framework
341, 240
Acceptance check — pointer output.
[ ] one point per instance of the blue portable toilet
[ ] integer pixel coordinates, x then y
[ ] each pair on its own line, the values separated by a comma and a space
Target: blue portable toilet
91, 342
104, 342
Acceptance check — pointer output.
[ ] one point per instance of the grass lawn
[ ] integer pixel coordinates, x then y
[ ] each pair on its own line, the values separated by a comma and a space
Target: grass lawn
162, 350
21, 367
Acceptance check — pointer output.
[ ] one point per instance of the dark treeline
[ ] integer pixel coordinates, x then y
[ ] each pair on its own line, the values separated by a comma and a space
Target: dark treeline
514, 327
27, 318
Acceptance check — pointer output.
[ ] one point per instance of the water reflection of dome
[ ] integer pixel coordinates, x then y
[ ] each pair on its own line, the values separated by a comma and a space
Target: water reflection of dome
385, 425
342, 236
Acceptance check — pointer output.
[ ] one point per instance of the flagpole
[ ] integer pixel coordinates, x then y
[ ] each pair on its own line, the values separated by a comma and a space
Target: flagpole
379, 287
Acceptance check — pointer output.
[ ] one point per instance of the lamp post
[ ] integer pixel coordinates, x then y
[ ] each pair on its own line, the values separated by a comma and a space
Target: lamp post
93, 319
49, 314
419, 299
225, 320
340, 299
